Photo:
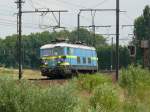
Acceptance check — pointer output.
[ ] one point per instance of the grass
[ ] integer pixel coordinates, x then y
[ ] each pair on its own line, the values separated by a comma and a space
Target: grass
135, 82
105, 98
26, 97
89, 82
87, 93
27, 73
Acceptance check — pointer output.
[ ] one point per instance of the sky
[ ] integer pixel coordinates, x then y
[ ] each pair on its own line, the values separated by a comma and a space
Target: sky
35, 22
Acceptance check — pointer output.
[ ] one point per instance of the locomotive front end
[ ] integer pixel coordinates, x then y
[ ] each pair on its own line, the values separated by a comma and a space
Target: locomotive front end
53, 62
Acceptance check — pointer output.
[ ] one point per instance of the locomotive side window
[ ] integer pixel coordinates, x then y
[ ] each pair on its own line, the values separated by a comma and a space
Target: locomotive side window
84, 60
69, 51
78, 60
50, 52
89, 60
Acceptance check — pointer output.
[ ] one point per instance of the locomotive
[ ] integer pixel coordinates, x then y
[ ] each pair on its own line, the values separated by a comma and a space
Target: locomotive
63, 59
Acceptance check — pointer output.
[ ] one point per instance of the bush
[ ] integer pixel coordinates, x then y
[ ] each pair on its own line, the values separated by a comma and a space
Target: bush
90, 82
58, 99
134, 78
133, 104
136, 83
105, 99
23, 96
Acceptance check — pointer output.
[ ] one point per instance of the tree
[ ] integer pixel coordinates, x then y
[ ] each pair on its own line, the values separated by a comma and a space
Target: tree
104, 55
88, 38
31, 47
142, 31
142, 25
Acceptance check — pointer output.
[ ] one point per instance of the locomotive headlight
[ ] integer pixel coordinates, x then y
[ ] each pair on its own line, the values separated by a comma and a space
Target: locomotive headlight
45, 63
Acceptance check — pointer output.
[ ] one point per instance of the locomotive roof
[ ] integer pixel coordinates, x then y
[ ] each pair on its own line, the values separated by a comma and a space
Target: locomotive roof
47, 46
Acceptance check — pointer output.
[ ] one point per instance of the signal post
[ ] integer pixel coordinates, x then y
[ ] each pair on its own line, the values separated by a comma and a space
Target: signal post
145, 45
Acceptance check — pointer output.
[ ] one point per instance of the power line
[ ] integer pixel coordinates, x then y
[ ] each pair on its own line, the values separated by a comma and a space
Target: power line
19, 27
93, 12
4, 14
7, 20
25, 23
73, 4
89, 9
44, 12
100, 3
12, 25
128, 17
129, 25
11, 22
31, 3
5, 10
69, 4
39, 3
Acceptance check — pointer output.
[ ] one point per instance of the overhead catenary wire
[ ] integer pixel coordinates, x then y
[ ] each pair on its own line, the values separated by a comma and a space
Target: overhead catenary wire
63, 2
100, 3
31, 3
73, 4
11, 18
14, 22
14, 25
66, 3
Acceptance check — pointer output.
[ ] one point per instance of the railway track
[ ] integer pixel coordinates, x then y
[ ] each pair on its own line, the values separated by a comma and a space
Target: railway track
51, 81
48, 81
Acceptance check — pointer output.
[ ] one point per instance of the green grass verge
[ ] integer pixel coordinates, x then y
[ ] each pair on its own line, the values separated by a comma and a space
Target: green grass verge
23, 96
87, 93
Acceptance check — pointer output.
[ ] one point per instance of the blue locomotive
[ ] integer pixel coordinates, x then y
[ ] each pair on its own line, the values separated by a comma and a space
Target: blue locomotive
64, 59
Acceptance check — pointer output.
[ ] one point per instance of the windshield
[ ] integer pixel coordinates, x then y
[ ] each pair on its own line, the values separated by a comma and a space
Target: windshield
56, 51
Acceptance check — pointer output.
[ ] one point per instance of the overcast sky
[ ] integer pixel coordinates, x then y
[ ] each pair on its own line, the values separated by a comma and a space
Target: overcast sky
31, 22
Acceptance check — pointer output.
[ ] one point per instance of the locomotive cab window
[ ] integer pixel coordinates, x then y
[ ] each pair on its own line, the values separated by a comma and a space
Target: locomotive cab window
58, 51
84, 60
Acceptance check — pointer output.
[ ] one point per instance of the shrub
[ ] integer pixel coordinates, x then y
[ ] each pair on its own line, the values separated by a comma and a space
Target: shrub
15, 96
58, 99
89, 82
23, 96
134, 78
105, 99
136, 83
134, 106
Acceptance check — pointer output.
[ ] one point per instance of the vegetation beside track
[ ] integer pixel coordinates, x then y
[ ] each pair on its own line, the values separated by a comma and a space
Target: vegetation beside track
87, 93
27, 73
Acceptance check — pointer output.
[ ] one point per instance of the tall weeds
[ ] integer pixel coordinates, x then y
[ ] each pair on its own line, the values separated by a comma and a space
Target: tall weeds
135, 82
23, 96
87, 93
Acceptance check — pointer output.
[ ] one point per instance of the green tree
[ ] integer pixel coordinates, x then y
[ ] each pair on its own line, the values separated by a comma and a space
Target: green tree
142, 31
88, 38
105, 59
33, 42
142, 25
